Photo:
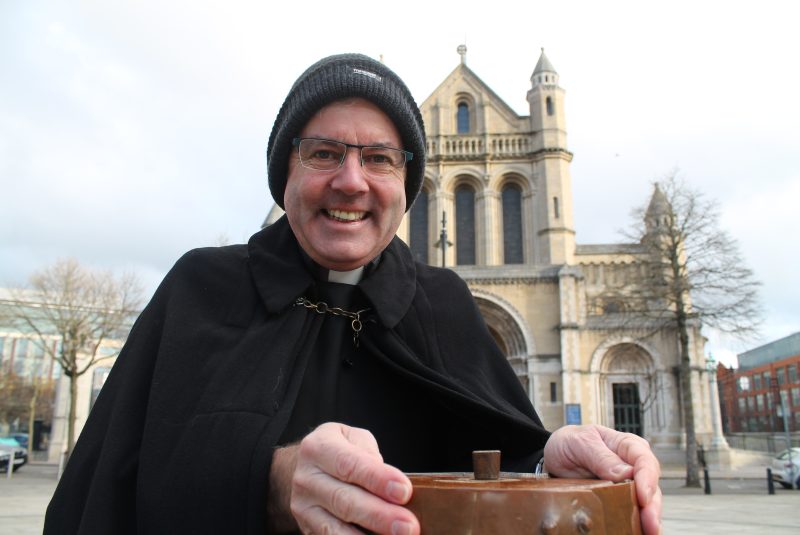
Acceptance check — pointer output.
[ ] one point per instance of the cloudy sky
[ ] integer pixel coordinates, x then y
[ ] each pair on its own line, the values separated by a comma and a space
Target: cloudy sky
131, 132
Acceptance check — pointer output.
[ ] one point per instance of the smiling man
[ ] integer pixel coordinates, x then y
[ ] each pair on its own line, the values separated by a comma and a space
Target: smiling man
286, 385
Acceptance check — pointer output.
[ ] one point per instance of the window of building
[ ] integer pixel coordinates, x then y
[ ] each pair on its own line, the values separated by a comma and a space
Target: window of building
757, 382
792, 372
21, 356
465, 225
462, 118
742, 406
38, 368
765, 379
556, 208
553, 393
418, 234
99, 376
781, 374
512, 224
549, 105
744, 383
796, 396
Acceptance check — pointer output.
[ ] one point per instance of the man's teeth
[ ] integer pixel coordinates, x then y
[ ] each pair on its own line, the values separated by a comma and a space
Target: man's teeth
346, 216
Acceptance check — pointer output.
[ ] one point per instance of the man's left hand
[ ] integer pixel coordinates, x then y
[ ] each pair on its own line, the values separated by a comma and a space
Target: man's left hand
593, 451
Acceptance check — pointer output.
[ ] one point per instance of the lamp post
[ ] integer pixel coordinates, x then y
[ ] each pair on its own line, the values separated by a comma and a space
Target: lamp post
443, 243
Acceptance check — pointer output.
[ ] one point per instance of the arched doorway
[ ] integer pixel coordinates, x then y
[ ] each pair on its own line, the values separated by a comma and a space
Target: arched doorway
509, 336
628, 388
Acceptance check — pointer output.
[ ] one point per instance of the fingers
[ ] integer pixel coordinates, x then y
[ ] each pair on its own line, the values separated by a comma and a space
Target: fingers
596, 451
341, 482
581, 451
351, 455
318, 521
636, 451
328, 503
651, 514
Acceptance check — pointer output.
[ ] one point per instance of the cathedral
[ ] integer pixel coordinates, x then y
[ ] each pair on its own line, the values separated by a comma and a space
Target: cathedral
496, 207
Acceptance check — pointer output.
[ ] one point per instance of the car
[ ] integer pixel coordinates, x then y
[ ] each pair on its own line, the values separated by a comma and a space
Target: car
9, 447
22, 438
784, 470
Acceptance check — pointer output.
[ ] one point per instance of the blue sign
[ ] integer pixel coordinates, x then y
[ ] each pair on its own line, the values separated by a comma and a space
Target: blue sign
573, 412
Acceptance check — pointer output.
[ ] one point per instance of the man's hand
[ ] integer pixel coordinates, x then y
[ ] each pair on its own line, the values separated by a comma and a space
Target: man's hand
338, 479
596, 451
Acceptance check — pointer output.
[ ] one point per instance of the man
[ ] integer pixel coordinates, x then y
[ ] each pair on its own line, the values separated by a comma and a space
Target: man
288, 384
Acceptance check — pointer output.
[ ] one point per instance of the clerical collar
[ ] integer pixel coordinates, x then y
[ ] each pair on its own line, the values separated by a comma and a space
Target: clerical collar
352, 277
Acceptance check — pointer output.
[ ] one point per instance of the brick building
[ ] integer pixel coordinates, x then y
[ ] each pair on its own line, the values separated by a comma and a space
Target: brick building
751, 396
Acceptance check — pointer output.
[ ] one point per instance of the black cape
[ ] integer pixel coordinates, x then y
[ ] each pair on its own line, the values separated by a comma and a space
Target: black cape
180, 439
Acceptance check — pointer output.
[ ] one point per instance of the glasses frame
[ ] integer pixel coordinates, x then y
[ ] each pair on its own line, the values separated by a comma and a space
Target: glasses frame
296, 143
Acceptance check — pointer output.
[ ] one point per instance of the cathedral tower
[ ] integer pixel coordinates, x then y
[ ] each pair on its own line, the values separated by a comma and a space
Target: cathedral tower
555, 232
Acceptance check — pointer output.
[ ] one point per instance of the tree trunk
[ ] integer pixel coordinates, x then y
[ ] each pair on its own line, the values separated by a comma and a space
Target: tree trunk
32, 416
692, 468
73, 404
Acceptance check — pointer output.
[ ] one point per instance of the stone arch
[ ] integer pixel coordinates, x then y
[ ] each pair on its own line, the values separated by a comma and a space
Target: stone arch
510, 331
497, 183
633, 363
462, 176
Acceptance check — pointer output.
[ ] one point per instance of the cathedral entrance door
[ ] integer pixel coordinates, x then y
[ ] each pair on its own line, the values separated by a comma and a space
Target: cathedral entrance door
627, 408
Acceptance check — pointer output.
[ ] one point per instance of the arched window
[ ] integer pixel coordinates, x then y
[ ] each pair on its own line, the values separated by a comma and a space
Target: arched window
465, 225
419, 228
512, 224
549, 103
462, 118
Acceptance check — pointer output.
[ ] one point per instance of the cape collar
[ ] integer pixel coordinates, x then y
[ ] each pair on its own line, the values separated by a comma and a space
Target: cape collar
281, 275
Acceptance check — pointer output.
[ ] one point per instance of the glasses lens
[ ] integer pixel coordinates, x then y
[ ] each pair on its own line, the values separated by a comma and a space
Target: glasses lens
382, 160
321, 154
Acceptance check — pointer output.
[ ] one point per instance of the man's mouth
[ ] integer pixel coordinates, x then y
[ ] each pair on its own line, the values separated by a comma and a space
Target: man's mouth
343, 215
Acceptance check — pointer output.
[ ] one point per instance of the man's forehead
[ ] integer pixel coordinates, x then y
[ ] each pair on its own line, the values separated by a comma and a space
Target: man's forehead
328, 123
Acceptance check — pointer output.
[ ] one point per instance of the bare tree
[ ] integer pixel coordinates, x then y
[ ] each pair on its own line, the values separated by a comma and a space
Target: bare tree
695, 276
85, 311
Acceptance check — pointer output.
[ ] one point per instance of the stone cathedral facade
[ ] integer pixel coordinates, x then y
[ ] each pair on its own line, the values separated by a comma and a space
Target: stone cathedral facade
501, 183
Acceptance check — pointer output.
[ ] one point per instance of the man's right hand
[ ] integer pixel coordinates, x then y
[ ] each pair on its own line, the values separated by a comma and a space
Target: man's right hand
338, 479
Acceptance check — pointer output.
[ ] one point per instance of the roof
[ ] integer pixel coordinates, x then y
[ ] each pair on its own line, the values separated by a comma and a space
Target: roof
544, 65
780, 349
659, 204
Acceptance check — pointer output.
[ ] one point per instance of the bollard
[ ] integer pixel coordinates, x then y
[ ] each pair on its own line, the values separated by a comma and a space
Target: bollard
770, 484
706, 481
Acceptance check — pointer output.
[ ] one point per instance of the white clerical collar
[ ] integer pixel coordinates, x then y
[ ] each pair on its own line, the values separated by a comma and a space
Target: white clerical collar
352, 277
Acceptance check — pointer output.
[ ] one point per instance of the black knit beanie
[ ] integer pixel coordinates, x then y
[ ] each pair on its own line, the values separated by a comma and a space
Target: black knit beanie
340, 77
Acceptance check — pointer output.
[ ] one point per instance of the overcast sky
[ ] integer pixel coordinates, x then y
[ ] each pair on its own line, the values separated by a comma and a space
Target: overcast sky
131, 132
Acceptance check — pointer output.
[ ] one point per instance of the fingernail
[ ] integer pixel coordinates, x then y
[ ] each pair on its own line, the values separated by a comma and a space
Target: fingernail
401, 528
399, 492
620, 470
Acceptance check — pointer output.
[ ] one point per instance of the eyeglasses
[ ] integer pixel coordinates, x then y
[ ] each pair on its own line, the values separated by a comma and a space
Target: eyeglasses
328, 155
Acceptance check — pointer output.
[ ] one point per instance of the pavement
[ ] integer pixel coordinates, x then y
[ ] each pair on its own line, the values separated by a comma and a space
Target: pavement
739, 502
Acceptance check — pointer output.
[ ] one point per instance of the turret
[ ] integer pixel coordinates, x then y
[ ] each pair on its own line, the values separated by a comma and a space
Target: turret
546, 100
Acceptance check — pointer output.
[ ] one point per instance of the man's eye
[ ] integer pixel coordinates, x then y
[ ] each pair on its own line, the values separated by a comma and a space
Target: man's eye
323, 154
378, 159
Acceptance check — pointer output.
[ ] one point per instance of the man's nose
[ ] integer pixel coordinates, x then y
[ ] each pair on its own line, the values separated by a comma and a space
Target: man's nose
350, 177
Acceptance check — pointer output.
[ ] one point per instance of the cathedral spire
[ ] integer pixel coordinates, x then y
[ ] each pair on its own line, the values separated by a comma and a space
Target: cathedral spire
544, 72
658, 211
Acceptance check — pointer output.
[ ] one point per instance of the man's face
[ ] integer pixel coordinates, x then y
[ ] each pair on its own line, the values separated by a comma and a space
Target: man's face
345, 218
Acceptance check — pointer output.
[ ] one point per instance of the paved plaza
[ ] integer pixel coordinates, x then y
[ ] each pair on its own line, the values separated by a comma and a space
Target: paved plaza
739, 503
